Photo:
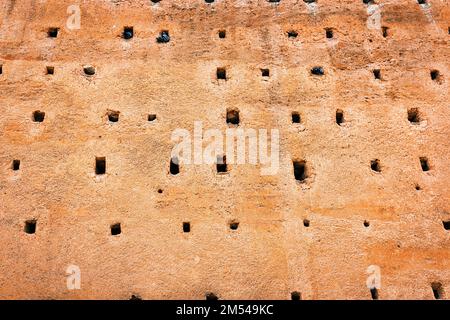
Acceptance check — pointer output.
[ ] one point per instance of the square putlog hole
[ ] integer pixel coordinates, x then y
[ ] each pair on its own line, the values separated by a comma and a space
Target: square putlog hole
128, 33
100, 165
446, 224
186, 227
222, 34
375, 165
296, 296
30, 226
52, 32
50, 70
113, 116
221, 74
38, 116
438, 290
295, 117
151, 117
116, 229
414, 115
233, 116
265, 73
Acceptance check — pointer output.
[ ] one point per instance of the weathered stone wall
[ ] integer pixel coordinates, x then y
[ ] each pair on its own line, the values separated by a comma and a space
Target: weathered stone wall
358, 217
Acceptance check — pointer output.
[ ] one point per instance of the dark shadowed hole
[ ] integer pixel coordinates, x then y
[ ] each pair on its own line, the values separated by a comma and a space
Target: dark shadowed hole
1, 69
113, 116
414, 115
135, 297
222, 34
221, 164
16, 165
296, 117
128, 33
434, 74
89, 70
368, 1
446, 224
375, 165
421, 1
299, 170
374, 293
221, 74
265, 72
309, 1
385, 31
306, 223
438, 290
273, 1
116, 229
366, 223
52, 32
339, 116
424, 164
100, 165
38, 116
155, 1
160, 190
174, 166
50, 70
209, 1
295, 295
329, 33
30, 226
163, 37
233, 116
234, 225
151, 117
292, 34
186, 227
318, 71
418, 187
211, 296
377, 74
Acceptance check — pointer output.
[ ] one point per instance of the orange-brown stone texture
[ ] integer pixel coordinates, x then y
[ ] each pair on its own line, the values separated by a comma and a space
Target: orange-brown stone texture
371, 137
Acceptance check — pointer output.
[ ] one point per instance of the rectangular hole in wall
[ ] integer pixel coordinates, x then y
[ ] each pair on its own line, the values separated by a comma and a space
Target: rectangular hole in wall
300, 170
233, 116
374, 293
446, 224
116, 229
50, 70
339, 116
16, 165
424, 164
329, 33
295, 117
265, 73
438, 291
222, 34
30, 226
221, 164
186, 227
53, 32
174, 166
221, 74
414, 115
100, 165
1, 69
385, 31
377, 74
375, 165
38, 116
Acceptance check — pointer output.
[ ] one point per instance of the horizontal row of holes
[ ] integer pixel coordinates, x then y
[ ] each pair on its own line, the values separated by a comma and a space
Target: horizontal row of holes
414, 116
116, 228
301, 171
221, 72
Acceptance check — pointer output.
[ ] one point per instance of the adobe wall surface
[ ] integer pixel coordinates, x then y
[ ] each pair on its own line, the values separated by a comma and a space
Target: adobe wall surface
273, 252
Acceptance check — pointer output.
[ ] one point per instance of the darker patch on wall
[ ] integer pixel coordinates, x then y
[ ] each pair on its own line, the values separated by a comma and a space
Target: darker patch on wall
30, 226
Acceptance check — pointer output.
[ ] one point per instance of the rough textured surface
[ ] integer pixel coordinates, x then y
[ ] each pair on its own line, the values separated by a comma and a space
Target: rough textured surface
272, 253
